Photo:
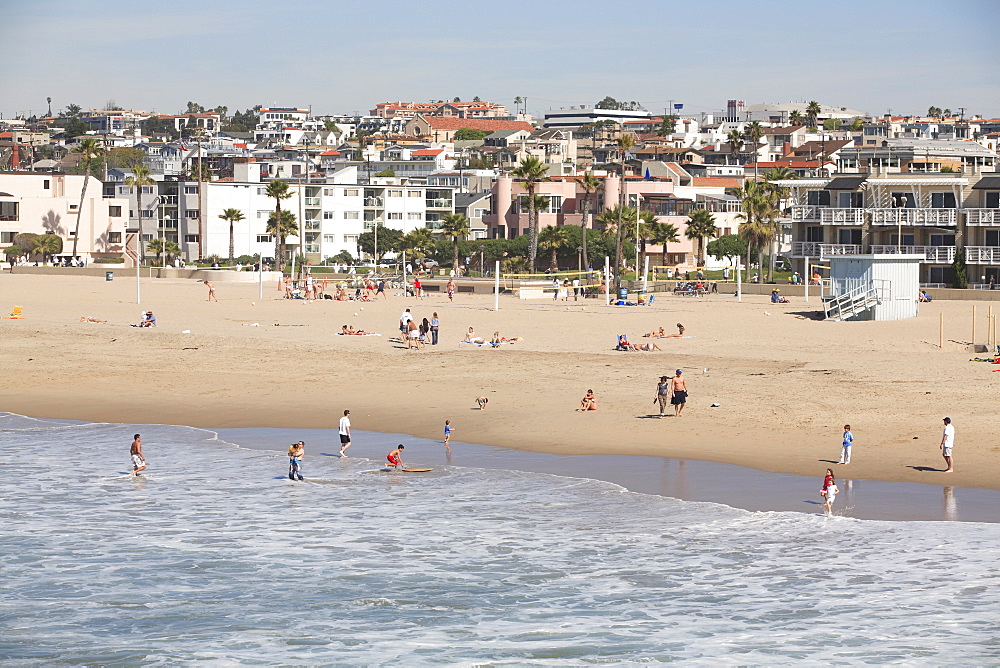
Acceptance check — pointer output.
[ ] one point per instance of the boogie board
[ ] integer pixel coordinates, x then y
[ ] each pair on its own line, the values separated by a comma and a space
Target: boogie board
394, 470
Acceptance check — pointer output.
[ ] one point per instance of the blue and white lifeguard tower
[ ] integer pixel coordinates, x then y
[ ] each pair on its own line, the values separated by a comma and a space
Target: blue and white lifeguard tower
873, 287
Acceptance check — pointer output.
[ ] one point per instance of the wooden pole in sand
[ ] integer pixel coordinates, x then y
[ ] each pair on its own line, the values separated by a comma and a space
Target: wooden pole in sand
973, 325
806, 282
739, 279
645, 275
496, 287
607, 280
940, 330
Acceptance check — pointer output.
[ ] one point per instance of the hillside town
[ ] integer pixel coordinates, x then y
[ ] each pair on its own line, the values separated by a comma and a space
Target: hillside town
769, 183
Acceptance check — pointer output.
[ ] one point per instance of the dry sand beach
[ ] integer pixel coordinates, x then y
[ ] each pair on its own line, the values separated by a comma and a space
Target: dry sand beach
786, 384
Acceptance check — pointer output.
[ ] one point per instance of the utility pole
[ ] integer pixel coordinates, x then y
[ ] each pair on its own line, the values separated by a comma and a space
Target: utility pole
201, 213
961, 117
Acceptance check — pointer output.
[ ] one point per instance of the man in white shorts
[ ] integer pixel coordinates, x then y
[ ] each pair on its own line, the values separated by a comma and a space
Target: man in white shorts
138, 461
947, 442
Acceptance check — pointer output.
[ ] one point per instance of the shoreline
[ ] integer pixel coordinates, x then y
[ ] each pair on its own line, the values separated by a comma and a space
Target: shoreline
782, 400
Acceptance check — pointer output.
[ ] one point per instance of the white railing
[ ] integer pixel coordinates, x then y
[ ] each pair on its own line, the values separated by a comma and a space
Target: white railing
932, 217
803, 213
982, 254
936, 254
841, 216
819, 250
982, 216
312, 201
373, 201
439, 203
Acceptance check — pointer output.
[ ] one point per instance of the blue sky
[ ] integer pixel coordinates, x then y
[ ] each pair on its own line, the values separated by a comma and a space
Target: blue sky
345, 57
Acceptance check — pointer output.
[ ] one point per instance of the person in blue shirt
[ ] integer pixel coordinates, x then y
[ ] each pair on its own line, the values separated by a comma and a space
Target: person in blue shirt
447, 432
845, 456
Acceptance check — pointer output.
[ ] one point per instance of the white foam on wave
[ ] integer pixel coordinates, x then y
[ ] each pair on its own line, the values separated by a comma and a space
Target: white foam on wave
216, 555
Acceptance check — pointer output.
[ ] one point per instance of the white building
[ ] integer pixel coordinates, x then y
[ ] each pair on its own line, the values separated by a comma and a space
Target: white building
49, 204
573, 118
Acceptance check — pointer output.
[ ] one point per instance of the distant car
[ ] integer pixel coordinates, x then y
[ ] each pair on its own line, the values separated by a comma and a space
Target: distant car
427, 262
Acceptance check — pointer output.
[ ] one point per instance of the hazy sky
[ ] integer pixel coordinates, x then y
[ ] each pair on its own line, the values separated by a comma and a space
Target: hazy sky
336, 56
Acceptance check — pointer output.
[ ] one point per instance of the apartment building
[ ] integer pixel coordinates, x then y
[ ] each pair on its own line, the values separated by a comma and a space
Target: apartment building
928, 213
50, 203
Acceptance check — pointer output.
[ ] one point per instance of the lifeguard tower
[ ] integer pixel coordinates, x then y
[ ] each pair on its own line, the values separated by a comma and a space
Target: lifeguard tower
873, 287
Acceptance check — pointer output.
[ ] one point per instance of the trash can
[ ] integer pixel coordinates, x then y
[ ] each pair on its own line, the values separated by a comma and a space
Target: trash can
623, 294
641, 298
109, 276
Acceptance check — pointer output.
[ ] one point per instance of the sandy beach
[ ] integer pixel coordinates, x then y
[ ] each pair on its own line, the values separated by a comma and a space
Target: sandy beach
785, 383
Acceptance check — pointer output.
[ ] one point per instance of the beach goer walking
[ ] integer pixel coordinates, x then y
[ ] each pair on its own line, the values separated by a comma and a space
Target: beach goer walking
345, 433
412, 335
678, 393
211, 291
845, 455
947, 443
138, 461
395, 458
451, 289
380, 290
447, 433
482, 401
829, 491
576, 289
435, 326
662, 393
404, 321
296, 451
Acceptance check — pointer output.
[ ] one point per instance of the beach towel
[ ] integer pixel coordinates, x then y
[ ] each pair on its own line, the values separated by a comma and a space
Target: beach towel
15, 314
365, 334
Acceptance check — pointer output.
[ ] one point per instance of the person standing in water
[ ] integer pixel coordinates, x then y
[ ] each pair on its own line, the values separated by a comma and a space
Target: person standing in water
345, 433
829, 491
447, 433
138, 461
296, 451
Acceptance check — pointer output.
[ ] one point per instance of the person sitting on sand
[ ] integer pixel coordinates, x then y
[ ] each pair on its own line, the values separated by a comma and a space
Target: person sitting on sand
623, 343
776, 297
149, 320
588, 403
496, 340
470, 337
924, 297
680, 329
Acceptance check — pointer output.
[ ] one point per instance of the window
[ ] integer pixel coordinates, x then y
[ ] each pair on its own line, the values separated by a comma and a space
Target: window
351, 215
942, 240
908, 239
45, 184
114, 237
147, 190
329, 239
350, 192
993, 237
849, 237
818, 197
814, 234
8, 210
74, 207
941, 275
351, 240
943, 200
193, 213
328, 192
903, 201
147, 237
261, 191
7, 237
190, 238
328, 215
394, 215
146, 214
414, 193
395, 193
992, 200
115, 211
479, 213
414, 216
369, 216
191, 190
265, 239
849, 200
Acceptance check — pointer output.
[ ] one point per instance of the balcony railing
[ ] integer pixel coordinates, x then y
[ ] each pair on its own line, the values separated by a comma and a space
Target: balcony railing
168, 200
982, 254
312, 224
377, 202
982, 216
819, 250
915, 217
936, 254
829, 216
312, 201
804, 213
438, 203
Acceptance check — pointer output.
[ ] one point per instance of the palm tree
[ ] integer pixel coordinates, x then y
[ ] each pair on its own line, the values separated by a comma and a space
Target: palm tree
616, 221
625, 142
700, 226
531, 170
278, 190
753, 132
735, 141
48, 245
663, 234
233, 216
417, 241
196, 168
795, 118
455, 226
287, 227
164, 247
89, 151
759, 214
813, 111
552, 238
517, 104
590, 184
140, 179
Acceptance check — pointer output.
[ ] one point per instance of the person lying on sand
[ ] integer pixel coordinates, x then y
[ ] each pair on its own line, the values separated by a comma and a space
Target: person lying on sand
646, 346
90, 318
470, 337
350, 331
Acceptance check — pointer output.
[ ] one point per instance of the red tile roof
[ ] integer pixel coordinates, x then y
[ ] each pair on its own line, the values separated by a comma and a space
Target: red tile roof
488, 124
717, 181
428, 151
330, 153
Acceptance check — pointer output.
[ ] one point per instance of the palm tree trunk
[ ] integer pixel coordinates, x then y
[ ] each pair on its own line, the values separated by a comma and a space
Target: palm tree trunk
232, 243
454, 263
277, 234
583, 231
760, 263
79, 209
138, 206
532, 229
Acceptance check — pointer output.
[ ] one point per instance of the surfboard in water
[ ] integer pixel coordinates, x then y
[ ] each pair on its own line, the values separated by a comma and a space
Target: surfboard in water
394, 470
